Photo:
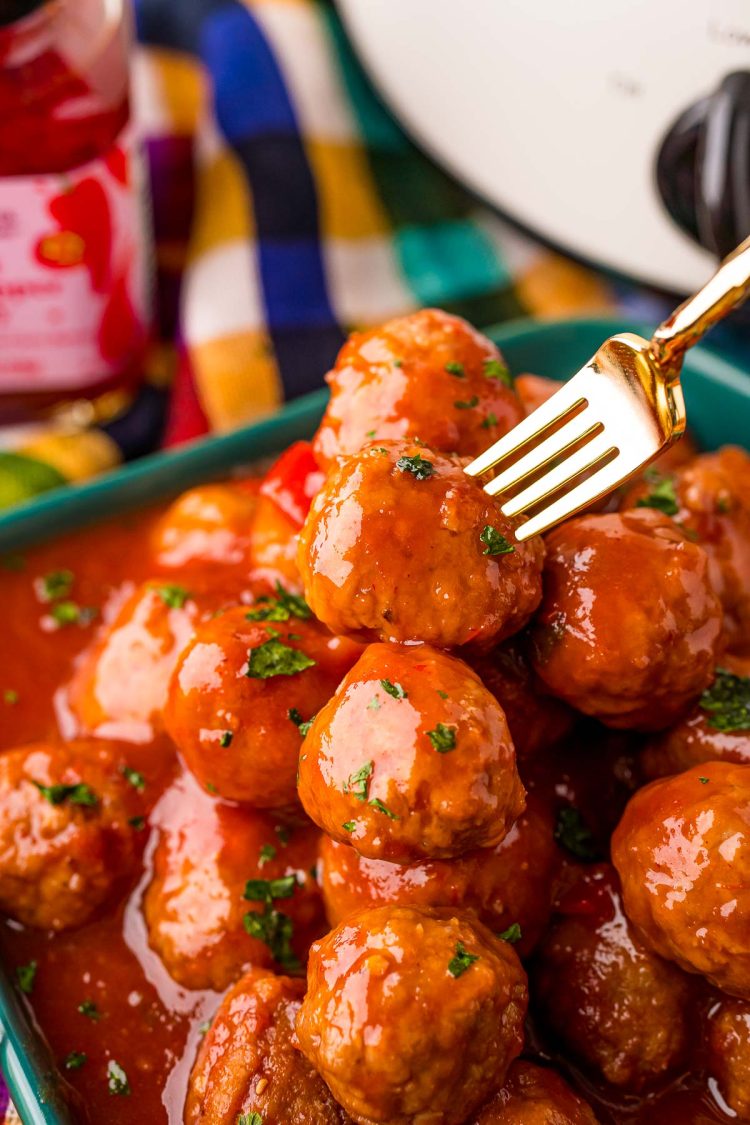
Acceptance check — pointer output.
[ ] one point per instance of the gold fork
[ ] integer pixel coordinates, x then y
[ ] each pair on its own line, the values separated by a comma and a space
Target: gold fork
612, 418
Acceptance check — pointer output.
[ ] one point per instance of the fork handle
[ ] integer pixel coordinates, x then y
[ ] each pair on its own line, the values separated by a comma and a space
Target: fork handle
727, 289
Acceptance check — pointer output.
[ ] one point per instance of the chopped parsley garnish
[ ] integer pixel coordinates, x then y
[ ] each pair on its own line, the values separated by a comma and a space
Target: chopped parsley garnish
10, 696
26, 975
442, 694
723, 505
496, 369
79, 794
276, 659
173, 596
250, 1119
417, 466
211, 788
489, 421
137, 822
456, 369
267, 853
266, 890
370, 433
70, 613
349, 825
226, 739
75, 1060
727, 702
461, 961
117, 1079
662, 497
56, 584
704, 780
378, 804
137, 780
398, 363
512, 934
359, 782
443, 738
280, 608
275, 930
574, 834
496, 544
393, 689
302, 725
89, 1009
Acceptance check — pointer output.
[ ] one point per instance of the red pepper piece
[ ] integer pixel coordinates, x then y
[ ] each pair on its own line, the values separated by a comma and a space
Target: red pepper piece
293, 481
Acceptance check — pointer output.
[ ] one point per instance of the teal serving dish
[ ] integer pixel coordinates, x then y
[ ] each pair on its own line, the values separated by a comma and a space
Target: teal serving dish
717, 393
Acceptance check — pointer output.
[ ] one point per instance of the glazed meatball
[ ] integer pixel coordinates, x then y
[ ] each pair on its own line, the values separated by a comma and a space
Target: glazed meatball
248, 1062
535, 1095
628, 628
710, 498
603, 994
506, 885
430, 376
682, 851
411, 759
536, 721
535, 390
231, 887
241, 690
716, 730
728, 1041
208, 525
401, 545
68, 831
412, 1014
120, 685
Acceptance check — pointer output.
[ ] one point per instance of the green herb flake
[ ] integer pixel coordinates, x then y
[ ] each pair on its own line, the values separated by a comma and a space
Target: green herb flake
370, 434
417, 466
574, 834
495, 543
267, 853
26, 976
225, 739
173, 596
727, 702
273, 658
662, 497
302, 725
456, 369
57, 584
10, 696
496, 369
282, 607
489, 421
137, 780
75, 1060
78, 794
250, 1119
117, 1079
378, 804
89, 1009
398, 363
393, 689
349, 825
723, 505
442, 694
512, 934
65, 613
359, 782
443, 738
461, 961
704, 780
275, 930
266, 890
211, 788
469, 404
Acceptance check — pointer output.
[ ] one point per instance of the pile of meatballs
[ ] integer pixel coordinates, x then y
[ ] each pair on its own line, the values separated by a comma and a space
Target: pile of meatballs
494, 795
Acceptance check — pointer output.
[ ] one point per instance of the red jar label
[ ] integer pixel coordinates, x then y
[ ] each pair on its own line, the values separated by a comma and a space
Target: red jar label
73, 280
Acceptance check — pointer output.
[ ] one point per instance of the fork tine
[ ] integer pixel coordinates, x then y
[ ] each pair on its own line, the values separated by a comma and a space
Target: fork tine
602, 482
541, 455
569, 396
561, 475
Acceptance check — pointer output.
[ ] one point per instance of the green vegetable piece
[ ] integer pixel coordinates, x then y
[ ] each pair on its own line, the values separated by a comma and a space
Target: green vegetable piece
75, 1060
456, 369
267, 853
512, 934
393, 689
727, 702
89, 1009
496, 369
574, 834
26, 976
468, 405
57, 584
496, 544
276, 659
266, 890
461, 961
137, 780
275, 930
281, 608
378, 804
443, 738
79, 794
662, 497
117, 1079
419, 468
359, 782
173, 596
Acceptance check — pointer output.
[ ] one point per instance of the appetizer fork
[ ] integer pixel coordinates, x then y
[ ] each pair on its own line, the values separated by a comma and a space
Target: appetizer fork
612, 418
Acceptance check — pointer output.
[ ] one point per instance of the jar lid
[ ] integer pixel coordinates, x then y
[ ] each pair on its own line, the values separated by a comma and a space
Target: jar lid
12, 10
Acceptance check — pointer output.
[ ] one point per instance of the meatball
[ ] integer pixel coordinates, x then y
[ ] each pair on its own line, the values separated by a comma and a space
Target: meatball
231, 887
682, 851
411, 759
412, 1012
728, 1042
241, 690
430, 376
603, 994
535, 1095
401, 545
249, 1064
628, 628
69, 831
536, 721
710, 498
206, 526
120, 685
506, 885
535, 390
716, 730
